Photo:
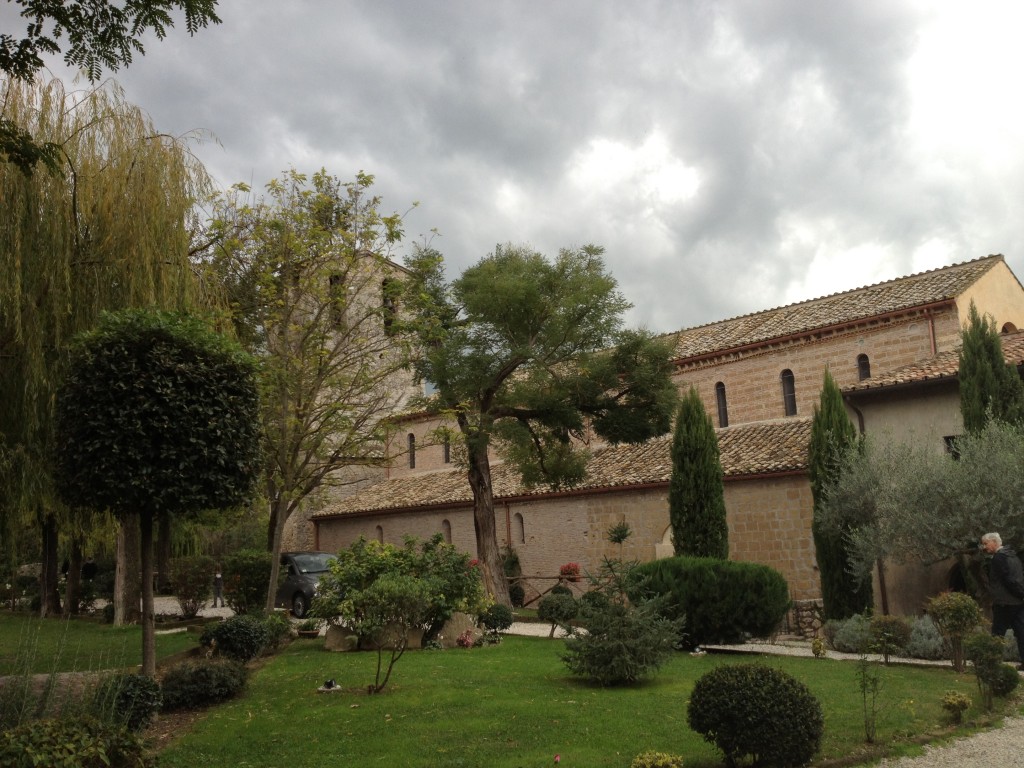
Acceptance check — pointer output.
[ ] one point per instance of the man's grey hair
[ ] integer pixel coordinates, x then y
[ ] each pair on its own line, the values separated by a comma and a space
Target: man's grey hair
993, 537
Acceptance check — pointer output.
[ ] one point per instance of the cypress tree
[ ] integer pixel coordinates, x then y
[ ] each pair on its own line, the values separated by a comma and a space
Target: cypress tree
832, 435
696, 498
989, 388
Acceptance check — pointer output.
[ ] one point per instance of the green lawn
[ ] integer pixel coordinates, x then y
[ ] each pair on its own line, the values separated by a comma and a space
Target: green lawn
514, 705
28, 643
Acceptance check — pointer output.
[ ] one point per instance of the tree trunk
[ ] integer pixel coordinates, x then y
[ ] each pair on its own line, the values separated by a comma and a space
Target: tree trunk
148, 614
127, 585
163, 555
73, 588
278, 516
49, 594
483, 523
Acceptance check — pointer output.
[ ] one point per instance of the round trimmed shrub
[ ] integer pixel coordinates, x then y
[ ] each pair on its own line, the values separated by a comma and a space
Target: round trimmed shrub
241, 638
556, 609
1004, 680
497, 618
128, 700
560, 589
749, 709
196, 684
889, 635
83, 742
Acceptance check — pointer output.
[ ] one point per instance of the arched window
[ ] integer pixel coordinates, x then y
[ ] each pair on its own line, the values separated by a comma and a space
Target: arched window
336, 293
788, 392
446, 529
863, 367
447, 450
723, 407
518, 529
412, 451
379, 533
1009, 328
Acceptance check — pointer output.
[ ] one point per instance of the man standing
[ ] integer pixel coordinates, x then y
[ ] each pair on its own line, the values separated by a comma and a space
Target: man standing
1006, 585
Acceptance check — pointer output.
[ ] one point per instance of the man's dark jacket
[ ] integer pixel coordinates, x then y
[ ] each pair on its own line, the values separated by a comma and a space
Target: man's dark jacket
1006, 578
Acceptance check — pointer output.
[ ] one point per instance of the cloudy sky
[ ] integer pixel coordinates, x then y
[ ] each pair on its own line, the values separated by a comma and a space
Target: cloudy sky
730, 156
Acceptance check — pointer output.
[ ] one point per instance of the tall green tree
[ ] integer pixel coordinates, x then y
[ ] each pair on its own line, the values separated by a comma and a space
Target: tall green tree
94, 35
989, 388
529, 358
113, 230
832, 435
312, 293
158, 416
696, 496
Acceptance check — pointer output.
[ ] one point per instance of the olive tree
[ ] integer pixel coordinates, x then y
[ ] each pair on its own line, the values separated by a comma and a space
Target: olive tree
158, 416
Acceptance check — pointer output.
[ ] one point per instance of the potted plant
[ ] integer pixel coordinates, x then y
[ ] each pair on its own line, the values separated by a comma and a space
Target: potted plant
308, 628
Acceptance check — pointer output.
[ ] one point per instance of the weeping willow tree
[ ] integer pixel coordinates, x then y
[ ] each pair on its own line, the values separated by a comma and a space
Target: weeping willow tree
111, 229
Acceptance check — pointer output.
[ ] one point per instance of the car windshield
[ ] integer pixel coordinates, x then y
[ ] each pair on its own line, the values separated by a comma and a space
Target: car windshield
312, 562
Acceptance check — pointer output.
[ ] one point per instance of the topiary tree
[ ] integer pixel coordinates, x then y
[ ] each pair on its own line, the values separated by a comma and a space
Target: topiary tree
832, 435
956, 615
696, 498
558, 609
749, 709
158, 416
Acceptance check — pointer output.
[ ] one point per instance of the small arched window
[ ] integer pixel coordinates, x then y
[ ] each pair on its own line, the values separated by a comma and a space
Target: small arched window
863, 367
447, 450
518, 528
379, 533
412, 451
723, 406
1009, 328
788, 392
446, 529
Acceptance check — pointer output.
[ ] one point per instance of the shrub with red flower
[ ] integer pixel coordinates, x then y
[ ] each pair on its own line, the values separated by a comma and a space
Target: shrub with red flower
570, 571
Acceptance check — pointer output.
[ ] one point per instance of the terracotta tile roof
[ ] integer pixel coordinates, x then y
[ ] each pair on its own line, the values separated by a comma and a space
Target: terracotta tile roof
945, 365
839, 308
746, 449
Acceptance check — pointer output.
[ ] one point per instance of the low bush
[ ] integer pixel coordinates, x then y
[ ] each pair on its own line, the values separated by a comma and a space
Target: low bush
246, 575
241, 638
497, 618
560, 589
995, 678
656, 760
925, 640
749, 709
516, 595
852, 635
78, 743
557, 609
955, 704
128, 700
192, 583
199, 683
279, 631
722, 601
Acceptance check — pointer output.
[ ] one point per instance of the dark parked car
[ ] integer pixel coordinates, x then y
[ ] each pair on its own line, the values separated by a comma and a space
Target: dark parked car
302, 572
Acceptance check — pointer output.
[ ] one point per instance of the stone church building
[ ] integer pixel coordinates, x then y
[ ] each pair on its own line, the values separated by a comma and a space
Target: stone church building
891, 347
